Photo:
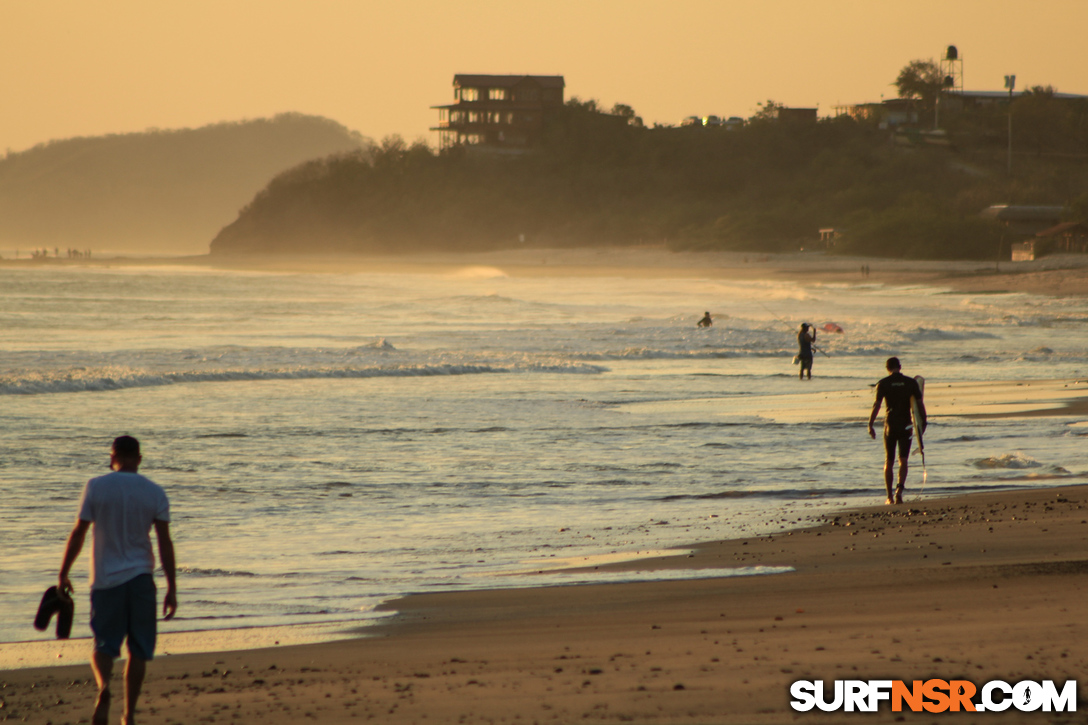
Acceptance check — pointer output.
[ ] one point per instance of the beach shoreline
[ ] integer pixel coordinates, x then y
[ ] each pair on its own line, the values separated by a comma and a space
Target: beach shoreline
1056, 275
982, 586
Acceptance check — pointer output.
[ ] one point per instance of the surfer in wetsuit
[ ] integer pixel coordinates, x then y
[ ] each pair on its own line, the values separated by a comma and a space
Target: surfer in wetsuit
706, 321
895, 392
805, 338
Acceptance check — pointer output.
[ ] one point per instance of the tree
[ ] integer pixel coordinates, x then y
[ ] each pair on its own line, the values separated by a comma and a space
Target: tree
625, 111
1079, 209
921, 80
1044, 123
767, 111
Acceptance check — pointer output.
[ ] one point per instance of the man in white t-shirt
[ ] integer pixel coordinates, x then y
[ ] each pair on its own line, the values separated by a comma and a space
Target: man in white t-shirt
123, 506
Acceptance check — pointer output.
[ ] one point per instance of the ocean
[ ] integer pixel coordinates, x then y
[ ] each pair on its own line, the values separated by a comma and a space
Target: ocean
332, 441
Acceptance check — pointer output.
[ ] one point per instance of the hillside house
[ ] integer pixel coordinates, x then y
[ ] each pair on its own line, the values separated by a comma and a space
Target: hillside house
990, 99
796, 115
1024, 221
887, 114
1064, 238
498, 113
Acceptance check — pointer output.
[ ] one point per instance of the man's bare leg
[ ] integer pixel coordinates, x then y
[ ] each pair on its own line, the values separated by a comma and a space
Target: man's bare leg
888, 465
134, 680
902, 480
102, 665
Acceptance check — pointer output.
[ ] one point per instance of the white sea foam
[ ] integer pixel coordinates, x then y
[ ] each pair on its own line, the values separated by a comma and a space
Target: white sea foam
923, 334
91, 380
478, 272
1008, 460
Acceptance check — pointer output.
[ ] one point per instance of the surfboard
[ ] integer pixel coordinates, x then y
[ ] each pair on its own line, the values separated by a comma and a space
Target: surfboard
915, 413
916, 418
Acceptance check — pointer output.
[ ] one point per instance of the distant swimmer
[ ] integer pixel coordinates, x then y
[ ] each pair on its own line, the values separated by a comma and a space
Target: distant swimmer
706, 321
902, 397
805, 339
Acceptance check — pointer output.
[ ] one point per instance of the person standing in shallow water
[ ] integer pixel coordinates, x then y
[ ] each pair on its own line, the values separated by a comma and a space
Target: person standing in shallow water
805, 339
706, 321
895, 392
123, 507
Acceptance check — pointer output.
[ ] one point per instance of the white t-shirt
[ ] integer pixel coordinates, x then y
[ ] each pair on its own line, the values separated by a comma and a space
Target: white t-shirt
123, 507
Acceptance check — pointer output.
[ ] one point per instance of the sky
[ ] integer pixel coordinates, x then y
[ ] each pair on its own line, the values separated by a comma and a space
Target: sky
75, 68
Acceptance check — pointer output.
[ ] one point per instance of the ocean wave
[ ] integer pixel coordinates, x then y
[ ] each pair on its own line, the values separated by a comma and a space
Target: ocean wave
1018, 462
783, 493
478, 272
1034, 479
82, 380
197, 571
756, 349
1047, 320
1008, 460
925, 334
648, 353
574, 578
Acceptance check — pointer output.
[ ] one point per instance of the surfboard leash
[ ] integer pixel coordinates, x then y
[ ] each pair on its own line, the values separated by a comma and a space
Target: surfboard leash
925, 473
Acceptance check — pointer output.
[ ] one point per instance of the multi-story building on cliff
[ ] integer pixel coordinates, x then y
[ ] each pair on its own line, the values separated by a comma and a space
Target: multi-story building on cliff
500, 113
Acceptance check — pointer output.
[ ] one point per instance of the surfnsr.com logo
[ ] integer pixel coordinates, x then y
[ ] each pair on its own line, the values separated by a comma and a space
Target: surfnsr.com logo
934, 696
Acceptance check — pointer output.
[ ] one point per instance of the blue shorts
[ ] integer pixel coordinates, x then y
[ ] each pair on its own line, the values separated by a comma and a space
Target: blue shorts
128, 610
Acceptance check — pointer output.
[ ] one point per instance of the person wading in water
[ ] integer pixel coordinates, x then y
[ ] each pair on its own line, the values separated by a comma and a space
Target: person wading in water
805, 338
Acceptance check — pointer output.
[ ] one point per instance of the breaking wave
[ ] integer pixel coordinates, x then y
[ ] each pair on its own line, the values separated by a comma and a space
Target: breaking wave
83, 380
197, 571
1008, 460
925, 334
1018, 462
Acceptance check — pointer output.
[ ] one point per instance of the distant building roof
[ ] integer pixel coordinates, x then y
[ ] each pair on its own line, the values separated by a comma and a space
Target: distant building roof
1011, 212
1002, 95
796, 114
1063, 228
466, 80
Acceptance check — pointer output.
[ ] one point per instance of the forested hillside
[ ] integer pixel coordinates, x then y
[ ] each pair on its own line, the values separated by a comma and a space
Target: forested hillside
157, 191
603, 178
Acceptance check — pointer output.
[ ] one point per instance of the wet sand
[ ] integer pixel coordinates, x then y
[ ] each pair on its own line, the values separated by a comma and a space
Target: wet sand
978, 587
979, 399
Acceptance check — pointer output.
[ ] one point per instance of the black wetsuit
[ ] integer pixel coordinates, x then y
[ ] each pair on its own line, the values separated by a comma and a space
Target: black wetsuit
895, 391
805, 338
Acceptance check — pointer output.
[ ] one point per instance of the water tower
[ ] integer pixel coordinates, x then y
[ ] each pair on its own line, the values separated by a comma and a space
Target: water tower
952, 70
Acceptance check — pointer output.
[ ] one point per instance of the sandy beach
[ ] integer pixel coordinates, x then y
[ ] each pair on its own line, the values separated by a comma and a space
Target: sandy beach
980, 587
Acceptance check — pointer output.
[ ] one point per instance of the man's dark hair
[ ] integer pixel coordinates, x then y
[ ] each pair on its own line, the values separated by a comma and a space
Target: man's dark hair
893, 364
126, 447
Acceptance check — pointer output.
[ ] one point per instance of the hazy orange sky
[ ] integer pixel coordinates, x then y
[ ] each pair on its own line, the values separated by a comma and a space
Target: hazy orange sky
70, 68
